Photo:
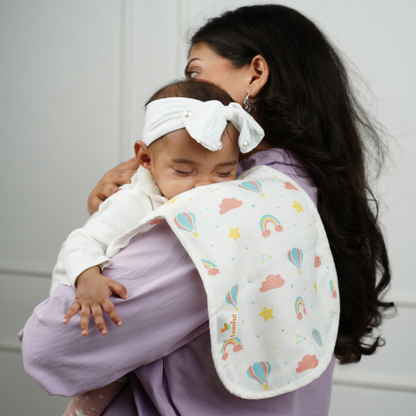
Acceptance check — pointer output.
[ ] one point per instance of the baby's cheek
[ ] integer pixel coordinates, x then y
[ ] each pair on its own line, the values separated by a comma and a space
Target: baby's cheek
173, 188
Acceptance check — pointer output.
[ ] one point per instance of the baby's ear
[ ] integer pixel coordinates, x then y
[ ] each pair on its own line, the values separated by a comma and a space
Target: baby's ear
143, 154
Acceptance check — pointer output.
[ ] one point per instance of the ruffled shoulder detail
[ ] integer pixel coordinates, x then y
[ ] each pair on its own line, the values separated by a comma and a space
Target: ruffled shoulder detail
146, 182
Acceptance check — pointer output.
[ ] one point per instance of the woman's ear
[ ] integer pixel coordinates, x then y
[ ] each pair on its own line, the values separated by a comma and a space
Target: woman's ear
260, 74
143, 155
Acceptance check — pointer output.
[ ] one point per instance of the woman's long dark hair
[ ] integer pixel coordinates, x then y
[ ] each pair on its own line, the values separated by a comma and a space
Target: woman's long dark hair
307, 108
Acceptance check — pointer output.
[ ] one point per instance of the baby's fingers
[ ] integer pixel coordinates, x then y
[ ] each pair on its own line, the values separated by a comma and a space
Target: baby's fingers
85, 319
73, 310
97, 313
117, 288
111, 312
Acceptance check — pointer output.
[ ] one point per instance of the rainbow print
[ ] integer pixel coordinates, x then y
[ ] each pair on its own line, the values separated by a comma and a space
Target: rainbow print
300, 307
265, 221
211, 267
236, 346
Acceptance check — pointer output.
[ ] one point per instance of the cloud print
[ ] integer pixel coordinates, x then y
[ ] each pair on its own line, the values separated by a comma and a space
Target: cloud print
272, 282
228, 204
308, 362
288, 185
317, 261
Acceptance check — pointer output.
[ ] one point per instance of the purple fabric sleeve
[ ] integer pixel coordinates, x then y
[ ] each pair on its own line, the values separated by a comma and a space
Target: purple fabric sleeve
164, 340
165, 310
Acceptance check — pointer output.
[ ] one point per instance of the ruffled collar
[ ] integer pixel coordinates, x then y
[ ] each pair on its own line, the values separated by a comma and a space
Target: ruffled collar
146, 182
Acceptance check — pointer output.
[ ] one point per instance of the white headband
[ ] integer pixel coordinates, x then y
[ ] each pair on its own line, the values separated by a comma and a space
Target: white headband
204, 121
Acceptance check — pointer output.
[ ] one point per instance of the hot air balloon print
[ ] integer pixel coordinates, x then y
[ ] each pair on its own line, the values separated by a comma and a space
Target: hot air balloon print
332, 287
295, 256
186, 221
260, 372
236, 346
231, 297
252, 186
317, 337
269, 220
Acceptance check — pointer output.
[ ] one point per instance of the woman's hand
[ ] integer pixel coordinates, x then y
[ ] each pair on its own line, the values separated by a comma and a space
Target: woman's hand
93, 295
110, 183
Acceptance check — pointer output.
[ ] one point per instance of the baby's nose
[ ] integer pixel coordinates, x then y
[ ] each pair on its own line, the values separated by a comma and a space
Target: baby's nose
204, 180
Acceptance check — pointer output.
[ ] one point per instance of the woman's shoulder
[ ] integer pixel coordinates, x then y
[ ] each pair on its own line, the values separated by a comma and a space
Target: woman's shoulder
279, 159
284, 162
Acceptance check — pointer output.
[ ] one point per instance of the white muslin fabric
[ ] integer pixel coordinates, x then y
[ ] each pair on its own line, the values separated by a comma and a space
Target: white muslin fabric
264, 258
204, 121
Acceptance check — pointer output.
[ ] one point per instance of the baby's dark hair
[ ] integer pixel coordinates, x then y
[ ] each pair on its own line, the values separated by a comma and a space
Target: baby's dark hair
198, 90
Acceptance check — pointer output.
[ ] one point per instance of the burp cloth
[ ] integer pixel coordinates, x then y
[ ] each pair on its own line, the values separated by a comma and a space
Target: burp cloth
264, 258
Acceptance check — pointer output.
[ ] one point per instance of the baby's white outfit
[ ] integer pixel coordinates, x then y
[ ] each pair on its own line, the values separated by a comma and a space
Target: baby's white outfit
90, 245
102, 235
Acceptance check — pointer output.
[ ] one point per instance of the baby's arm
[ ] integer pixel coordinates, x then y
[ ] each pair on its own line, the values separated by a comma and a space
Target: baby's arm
85, 249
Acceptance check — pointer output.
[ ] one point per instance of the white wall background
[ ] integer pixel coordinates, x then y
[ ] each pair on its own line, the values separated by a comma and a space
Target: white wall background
74, 76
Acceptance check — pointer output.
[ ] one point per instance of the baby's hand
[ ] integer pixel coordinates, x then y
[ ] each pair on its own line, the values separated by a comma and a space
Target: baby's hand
93, 295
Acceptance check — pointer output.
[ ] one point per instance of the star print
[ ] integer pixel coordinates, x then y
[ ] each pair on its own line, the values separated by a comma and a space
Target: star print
298, 207
315, 287
172, 200
266, 314
234, 233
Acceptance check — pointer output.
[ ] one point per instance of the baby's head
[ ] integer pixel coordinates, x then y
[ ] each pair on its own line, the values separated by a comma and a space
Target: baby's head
187, 140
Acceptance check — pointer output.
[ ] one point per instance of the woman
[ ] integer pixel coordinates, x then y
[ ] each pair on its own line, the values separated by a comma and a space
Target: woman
277, 63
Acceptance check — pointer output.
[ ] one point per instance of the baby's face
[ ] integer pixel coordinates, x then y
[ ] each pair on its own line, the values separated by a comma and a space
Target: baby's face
181, 164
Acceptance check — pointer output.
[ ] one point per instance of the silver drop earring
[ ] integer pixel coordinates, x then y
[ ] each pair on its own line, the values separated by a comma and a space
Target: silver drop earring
248, 105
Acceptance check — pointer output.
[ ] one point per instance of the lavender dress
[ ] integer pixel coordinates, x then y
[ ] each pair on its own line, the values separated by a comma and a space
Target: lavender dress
163, 343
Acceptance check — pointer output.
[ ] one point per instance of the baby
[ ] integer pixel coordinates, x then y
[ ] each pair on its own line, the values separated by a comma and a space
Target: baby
193, 135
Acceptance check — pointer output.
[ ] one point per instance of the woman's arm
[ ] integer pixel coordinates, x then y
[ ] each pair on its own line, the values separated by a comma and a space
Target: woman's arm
166, 309
110, 183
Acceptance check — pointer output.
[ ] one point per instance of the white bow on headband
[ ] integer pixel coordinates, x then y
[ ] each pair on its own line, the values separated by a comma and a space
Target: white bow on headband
204, 121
